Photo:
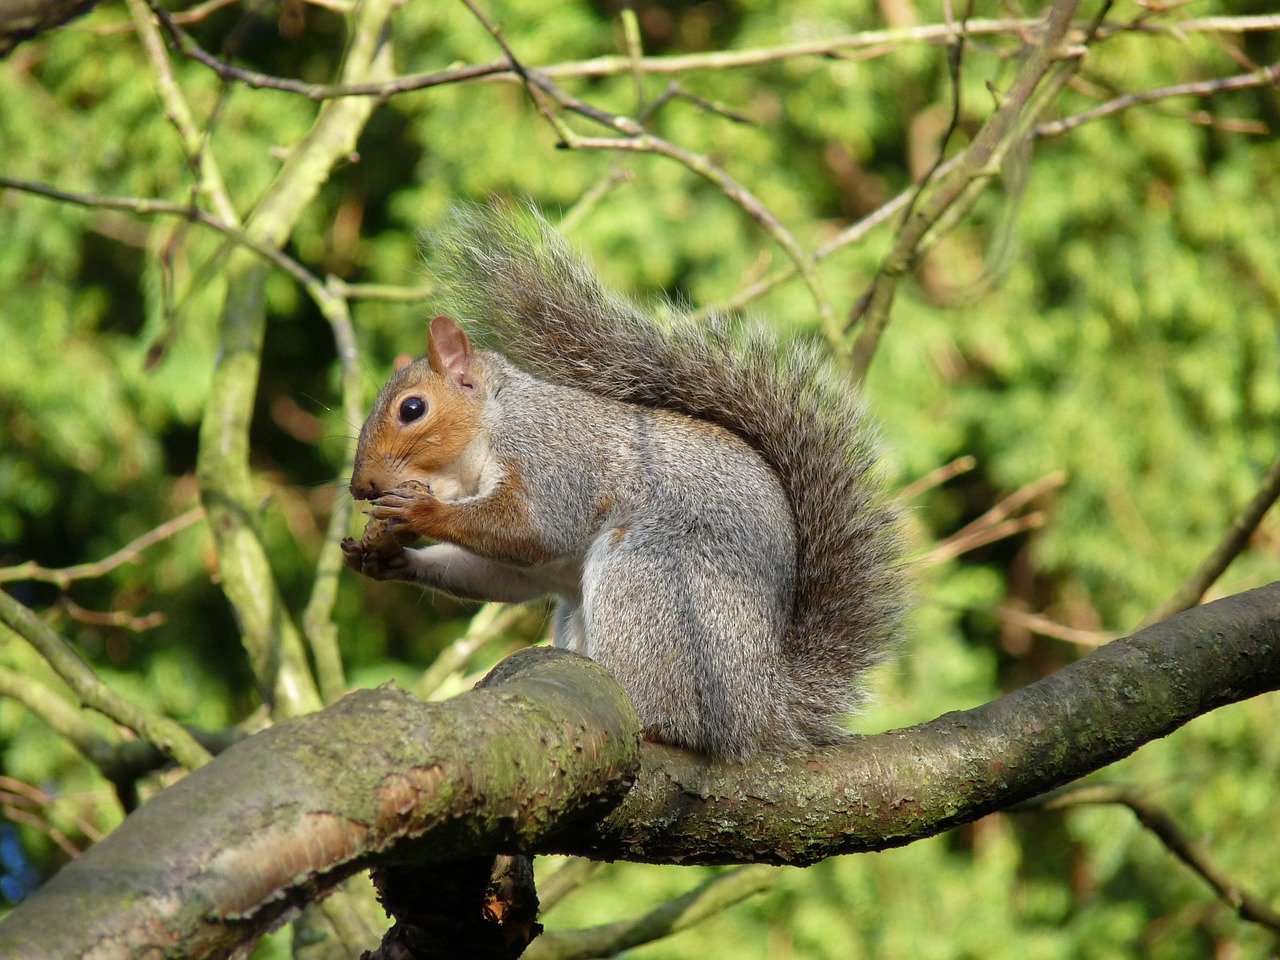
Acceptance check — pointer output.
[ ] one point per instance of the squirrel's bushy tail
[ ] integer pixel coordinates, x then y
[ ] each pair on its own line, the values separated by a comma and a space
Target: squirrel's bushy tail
529, 297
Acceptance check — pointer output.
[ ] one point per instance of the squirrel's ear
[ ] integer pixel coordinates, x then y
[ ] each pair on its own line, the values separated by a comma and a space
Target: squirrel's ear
449, 352
402, 361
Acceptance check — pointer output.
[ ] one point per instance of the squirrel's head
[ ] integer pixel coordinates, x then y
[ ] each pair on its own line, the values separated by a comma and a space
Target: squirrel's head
425, 417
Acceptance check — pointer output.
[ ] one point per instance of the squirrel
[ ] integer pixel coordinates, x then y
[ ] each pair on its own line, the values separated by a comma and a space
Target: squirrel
704, 502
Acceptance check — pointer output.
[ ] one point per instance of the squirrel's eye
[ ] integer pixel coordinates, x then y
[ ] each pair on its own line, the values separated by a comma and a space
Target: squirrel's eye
412, 408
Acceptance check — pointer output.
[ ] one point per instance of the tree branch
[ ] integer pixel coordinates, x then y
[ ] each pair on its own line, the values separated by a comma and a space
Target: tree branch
880, 42
706, 900
997, 135
531, 762
1194, 854
1262, 77
636, 139
283, 817
890, 789
270, 635
166, 734
129, 553
1235, 540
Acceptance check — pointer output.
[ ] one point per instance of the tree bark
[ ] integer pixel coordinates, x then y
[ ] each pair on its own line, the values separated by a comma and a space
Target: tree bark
235, 848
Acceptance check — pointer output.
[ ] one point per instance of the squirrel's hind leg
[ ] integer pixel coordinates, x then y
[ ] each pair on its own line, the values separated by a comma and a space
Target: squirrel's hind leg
692, 640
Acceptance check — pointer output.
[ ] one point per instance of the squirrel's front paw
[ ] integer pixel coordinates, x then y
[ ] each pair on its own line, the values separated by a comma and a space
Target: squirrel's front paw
376, 564
395, 508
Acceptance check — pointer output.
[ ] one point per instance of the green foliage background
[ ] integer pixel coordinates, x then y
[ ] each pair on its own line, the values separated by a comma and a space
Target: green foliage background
1114, 318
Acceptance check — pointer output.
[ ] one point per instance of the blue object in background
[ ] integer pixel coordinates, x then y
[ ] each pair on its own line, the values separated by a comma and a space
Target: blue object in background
17, 876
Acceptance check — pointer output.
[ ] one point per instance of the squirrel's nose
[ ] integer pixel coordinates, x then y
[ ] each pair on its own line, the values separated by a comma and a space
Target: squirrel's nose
364, 488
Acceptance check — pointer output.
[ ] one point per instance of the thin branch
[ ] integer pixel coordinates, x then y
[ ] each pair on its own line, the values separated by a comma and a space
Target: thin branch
1194, 854
880, 42
956, 545
572, 874
68, 721
980, 162
1047, 628
377, 291
148, 207
317, 619
1263, 77
1232, 543
995, 523
635, 55
38, 822
888, 210
268, 630
28, 795
129, 553
167, 735
1013, 502
379, 89
636, 139
110, 618
208, 177
708, 899
196, 14
736, 192
937, 477
490, 622
320, 631
850, 235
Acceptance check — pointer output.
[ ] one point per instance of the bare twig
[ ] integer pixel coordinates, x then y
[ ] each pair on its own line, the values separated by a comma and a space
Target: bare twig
129, 553
209, 181
636, 139
37, 822
489, 623
740, 195
955, 545
1047, 628
1195, 855
379, 89
1263, 77
710, 898
850, 235
936, 478
998, 134
17, 793
151, 207
1013, 502
1234, 541
111, 618
996, 524
879, 42
167, 735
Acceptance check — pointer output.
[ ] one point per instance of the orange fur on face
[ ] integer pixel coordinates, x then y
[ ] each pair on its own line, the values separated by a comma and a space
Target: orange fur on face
392, 452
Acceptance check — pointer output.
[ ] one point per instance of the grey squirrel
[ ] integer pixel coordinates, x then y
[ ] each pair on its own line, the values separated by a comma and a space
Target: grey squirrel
703, 502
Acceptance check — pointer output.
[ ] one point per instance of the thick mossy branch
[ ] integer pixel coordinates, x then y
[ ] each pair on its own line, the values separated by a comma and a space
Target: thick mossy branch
283, 817
888, 790
541, 760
